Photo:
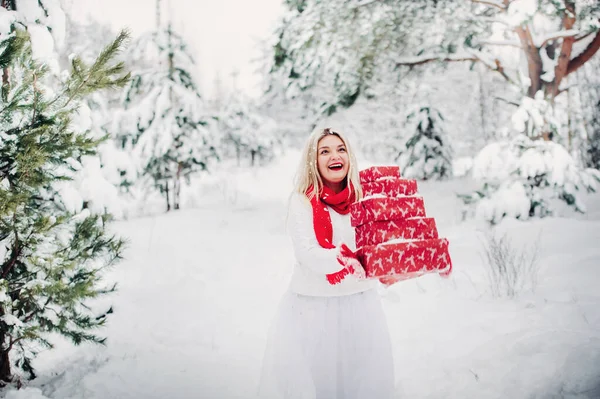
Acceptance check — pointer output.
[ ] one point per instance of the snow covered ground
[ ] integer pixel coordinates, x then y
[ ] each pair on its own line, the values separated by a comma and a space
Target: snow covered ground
200, 286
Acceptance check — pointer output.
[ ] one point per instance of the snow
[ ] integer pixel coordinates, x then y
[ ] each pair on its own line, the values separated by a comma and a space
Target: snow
461, 166
3, 296
56, 21
27, 393
520, 11
11, 320
556, 35
70, 196
198, 288
42, 44
509, 200
101, 194
368, 197
7, 18
82, 120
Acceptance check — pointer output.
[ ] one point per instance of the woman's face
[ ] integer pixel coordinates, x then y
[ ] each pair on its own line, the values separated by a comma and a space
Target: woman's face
332, 161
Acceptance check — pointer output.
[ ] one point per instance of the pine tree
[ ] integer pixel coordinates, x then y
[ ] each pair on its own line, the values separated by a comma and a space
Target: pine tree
425, 152
164, 121
54, 249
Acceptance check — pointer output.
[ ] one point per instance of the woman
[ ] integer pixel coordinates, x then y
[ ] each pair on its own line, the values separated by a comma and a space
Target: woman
330, 339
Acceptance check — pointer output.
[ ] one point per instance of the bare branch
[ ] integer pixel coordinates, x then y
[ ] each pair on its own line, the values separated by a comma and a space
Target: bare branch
534, 60
559, 35
585, 55
431, 58
490, 20
492, 3
364, 3
500, 69
564, 58
501, 43
516, 104
530, 40
584, 36
494, 65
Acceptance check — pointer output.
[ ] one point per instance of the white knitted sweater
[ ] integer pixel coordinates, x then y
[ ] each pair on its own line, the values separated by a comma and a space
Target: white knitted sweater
313, 262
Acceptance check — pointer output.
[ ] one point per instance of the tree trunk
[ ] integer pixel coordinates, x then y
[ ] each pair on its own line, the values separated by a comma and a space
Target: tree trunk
5, 84
564, 57
534, 60
167, 196
9, 5
570, 132
5, 375
157, 14
177, 187
482, 110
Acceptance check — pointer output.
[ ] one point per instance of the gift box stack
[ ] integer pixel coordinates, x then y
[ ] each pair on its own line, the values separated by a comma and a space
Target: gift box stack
393, 235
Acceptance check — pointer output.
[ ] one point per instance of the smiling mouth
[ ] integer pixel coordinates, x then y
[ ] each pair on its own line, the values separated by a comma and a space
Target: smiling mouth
336, 166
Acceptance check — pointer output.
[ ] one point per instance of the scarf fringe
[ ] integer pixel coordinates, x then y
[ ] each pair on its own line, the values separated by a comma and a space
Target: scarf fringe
337, 277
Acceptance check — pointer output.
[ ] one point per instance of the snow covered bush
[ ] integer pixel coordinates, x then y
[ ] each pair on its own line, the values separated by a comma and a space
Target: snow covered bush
522, 176
425, 153
511, 270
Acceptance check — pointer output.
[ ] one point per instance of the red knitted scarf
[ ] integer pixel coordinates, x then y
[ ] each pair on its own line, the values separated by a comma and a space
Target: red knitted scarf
340, 203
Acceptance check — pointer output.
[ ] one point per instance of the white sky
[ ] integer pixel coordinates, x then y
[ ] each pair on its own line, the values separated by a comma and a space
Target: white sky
222, 34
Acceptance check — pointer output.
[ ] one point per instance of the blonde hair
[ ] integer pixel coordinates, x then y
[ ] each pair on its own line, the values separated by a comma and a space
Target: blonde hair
308, 174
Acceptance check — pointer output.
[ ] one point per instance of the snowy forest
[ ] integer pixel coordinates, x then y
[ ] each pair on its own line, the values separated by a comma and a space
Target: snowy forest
142, 238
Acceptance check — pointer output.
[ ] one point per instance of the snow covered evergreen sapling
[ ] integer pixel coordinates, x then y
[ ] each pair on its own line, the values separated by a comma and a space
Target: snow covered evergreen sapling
246, 132
425, 153
164, 121
53, 250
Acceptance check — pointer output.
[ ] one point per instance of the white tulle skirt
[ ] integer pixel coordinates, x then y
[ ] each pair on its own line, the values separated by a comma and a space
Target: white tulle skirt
328, 348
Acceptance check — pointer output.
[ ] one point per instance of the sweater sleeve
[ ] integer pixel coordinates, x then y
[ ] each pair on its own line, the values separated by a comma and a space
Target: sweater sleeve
306, 247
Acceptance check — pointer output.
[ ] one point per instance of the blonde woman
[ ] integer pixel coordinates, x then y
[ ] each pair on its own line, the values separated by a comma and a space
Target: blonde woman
329, 339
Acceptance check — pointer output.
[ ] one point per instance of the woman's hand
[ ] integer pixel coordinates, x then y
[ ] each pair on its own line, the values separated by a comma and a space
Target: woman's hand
347, 258
389, 280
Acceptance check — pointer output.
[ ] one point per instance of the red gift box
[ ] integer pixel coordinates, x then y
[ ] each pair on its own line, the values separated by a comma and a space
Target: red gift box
378, 232
375, 173
392, 187
387, 208
413, 258
393, 236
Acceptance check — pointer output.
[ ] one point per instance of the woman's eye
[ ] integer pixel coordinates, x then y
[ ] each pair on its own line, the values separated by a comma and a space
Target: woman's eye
342, 150
323, 152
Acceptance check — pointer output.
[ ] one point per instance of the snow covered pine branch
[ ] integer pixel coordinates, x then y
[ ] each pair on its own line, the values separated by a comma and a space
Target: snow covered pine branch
54, 247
